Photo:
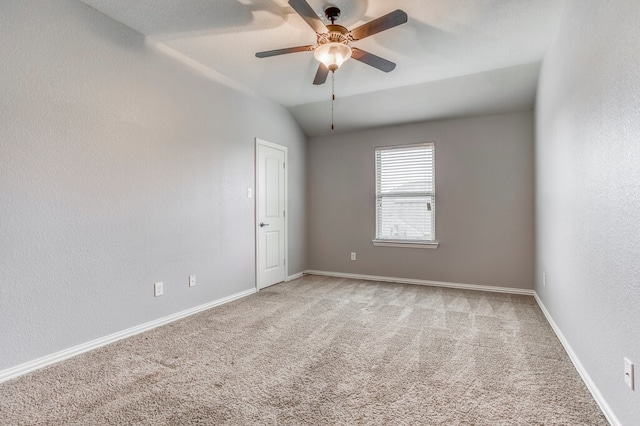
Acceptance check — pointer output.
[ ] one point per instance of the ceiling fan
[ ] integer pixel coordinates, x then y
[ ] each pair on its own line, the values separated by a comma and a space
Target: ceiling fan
333, 40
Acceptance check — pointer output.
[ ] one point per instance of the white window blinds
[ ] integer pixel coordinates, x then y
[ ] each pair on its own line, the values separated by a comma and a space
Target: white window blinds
405, 193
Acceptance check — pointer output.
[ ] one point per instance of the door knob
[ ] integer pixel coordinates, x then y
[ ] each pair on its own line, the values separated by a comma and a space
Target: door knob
262, 224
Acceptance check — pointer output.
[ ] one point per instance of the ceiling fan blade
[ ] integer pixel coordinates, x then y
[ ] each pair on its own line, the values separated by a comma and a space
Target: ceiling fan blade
390, 20
321, 74
373, 60
310, 17
276, 52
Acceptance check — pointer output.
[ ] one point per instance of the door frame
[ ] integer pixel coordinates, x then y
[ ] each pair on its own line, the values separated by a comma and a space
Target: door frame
262, 142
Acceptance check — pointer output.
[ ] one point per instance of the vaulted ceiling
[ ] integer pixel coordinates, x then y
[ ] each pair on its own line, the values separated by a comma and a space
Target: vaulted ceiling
454, 57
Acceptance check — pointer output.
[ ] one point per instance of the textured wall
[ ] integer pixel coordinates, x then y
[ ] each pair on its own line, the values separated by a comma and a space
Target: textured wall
120, 167
588, 191
484, 202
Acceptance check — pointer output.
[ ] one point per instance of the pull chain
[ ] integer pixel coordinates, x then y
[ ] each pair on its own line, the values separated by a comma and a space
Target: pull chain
333, 97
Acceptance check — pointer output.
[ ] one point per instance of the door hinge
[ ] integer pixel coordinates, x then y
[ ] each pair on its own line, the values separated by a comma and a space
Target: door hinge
285, 262
283, 166
284, 214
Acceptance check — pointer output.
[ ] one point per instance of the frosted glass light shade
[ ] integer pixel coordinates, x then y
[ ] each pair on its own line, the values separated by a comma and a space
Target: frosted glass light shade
332, 54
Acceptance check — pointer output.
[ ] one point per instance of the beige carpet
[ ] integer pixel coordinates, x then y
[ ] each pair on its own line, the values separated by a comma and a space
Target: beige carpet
321, 350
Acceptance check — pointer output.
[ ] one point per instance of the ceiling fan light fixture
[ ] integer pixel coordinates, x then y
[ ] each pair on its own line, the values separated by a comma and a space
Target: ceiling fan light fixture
332, 54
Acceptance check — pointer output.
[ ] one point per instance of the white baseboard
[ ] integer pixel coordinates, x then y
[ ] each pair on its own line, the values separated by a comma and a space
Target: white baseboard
595, 392
27, 367
295, 276
493, 289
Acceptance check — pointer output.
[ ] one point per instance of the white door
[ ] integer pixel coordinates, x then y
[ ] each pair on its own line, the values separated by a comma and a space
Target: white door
271, 222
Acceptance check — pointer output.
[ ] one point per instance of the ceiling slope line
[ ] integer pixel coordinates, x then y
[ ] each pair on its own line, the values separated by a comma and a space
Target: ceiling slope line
201, 69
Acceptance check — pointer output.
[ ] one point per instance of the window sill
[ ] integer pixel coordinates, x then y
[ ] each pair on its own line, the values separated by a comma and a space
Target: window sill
406, 244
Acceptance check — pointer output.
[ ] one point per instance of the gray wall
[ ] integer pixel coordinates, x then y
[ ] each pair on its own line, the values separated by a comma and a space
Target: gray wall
484, 202
588, 191
120, 167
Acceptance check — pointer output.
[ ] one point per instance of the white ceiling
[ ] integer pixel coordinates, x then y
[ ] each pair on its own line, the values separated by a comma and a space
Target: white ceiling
454, 57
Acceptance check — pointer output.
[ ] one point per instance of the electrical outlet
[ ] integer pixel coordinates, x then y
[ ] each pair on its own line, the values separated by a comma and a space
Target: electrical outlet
628, 373
192, 280
158, 289
544, 279
353, 255
249, 192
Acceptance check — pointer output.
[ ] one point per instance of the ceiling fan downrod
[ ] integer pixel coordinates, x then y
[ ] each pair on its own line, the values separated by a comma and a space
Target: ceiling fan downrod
332, 13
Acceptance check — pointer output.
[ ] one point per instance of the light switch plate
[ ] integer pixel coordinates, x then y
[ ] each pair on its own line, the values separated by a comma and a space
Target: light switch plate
628, 373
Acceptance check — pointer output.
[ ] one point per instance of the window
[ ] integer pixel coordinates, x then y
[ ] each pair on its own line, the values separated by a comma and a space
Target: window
405, 196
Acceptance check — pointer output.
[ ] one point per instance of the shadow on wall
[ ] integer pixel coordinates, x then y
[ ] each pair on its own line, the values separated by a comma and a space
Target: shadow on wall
173, 19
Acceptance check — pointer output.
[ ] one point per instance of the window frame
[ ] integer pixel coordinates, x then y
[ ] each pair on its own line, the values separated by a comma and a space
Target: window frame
406, 243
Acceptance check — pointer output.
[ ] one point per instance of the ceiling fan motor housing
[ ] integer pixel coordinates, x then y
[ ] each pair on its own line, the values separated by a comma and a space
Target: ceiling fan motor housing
336, 34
